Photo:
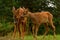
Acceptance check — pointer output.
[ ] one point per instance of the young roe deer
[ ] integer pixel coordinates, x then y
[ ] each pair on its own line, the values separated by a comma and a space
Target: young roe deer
39, 18
19, 19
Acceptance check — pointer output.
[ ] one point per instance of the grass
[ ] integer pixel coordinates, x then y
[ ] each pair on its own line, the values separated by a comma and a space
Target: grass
48, 37
29, 37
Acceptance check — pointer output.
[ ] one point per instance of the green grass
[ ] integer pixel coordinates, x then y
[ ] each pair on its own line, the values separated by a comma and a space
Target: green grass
30, 37
48, 37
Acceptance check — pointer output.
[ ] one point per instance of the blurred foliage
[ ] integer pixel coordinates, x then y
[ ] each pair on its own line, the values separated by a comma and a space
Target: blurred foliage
6, 16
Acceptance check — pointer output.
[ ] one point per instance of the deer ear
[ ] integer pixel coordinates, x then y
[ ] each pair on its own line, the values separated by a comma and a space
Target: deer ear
24, 8
27, 9
13, 9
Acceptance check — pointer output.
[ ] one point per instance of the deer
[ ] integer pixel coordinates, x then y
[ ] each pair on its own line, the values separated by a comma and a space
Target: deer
38, 18
19, 19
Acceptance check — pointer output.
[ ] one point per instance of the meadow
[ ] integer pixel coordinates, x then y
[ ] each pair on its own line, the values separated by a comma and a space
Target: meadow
30, 37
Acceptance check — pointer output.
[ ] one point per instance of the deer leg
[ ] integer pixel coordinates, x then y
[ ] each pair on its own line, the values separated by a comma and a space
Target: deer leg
53, 27
23, 30
15, 27
22, 33
19, 29
47, 29
33, 28
36, 31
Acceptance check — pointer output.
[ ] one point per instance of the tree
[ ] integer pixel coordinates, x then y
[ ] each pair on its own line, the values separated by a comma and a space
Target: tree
52, 6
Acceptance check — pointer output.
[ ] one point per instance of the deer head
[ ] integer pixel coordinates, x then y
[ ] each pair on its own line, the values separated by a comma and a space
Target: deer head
17, 12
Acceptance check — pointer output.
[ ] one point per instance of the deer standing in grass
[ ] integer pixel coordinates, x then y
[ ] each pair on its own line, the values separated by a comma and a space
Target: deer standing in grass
38, 18
19, 19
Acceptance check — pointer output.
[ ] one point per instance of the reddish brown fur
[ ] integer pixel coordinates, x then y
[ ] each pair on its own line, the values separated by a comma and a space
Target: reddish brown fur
38, 18
19, 19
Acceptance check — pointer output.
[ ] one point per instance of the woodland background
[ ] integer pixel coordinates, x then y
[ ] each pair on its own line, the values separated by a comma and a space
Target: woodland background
6, 15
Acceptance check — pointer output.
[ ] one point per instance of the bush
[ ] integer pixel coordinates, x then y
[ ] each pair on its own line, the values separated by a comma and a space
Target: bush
5, 28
